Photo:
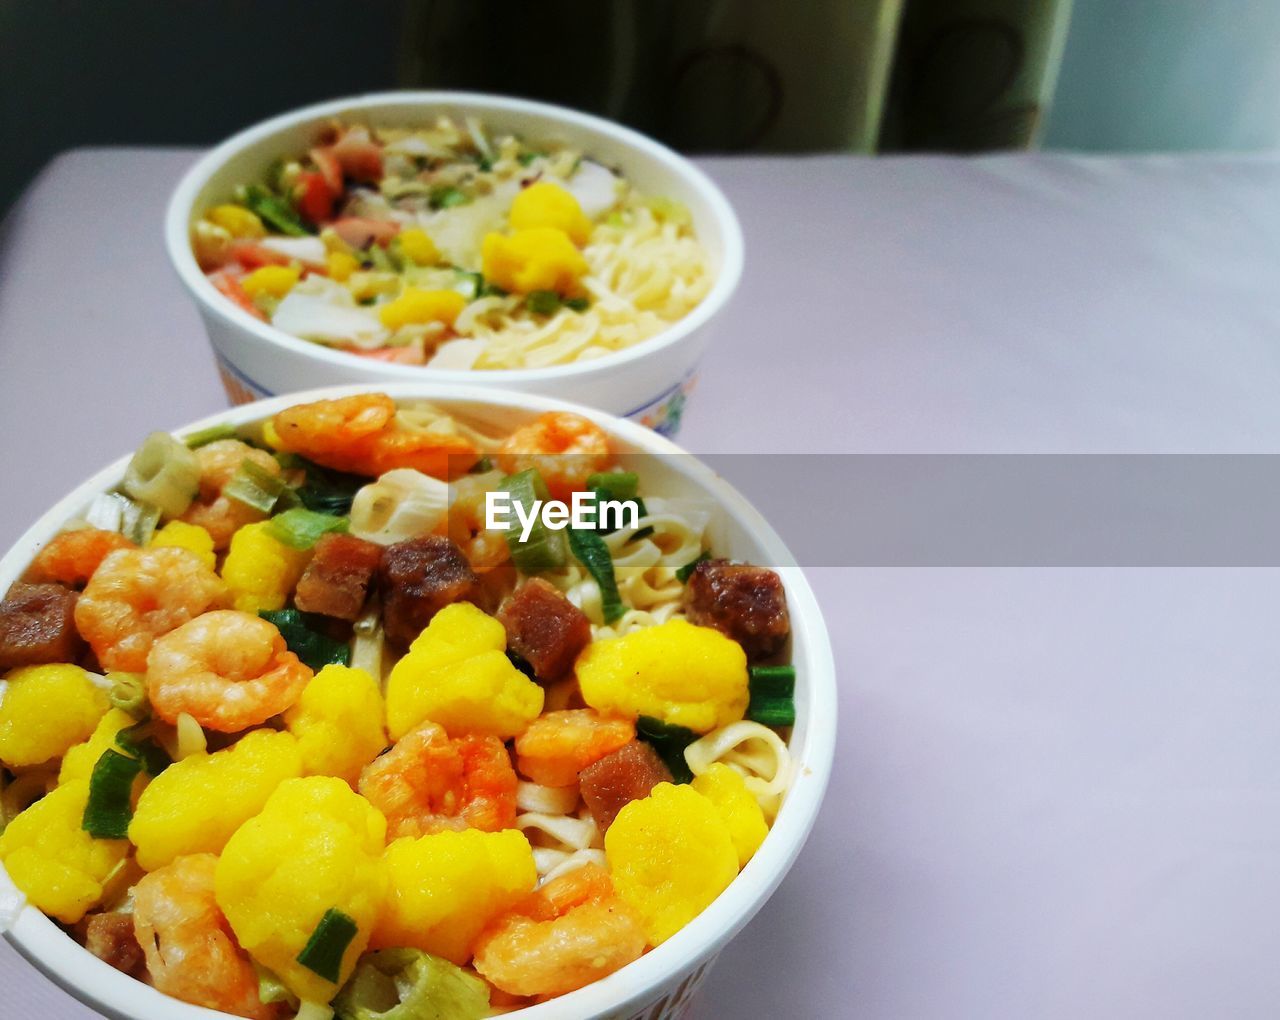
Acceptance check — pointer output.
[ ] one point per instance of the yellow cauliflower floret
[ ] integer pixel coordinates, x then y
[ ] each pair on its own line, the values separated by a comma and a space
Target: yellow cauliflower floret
236, 220
416, 306
740, 811
677, 672
275, 281
316, 846
339, 723
44, 710
195, 804
79, 761
670, 854
417, 245
59, 866
541, 258
444, 888
340, 265
456, 674
186, 536
260, 570
547, 204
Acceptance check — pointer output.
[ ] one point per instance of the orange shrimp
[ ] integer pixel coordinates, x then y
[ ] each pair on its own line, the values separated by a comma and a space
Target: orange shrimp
136, 595
364, 435
428, 783
221, 515
190, 951
566, 448
559, 745
225, 669
71, 557
570, 932
485, 550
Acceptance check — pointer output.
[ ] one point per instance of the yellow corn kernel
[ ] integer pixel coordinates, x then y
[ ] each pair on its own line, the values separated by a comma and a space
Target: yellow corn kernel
540, 258
275, 281
49, 856
416, 244
444, 888
670, 854
46, 710
192, 537
341, 265
547, 204
195, 804
315, 847
260, 570
740, 811
338, 721
236, 220
368, 284
415, 306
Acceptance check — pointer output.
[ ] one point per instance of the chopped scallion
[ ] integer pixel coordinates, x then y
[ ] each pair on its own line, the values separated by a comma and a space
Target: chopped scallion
128, 693
772, 695
544, 549
302, 634
328, 491
543, 302
110, 809
593, 554
577, 304
210, 435
448, 197
253, 486
300, 528
328, 943
615, 484
138, 742
669, 741
164, 473
273, 210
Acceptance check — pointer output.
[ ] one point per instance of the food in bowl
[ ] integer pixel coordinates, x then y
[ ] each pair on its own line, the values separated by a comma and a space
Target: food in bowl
290, 724
444, 246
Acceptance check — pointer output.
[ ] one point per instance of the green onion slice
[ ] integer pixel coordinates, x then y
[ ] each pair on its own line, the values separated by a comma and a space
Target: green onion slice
110, 809
772, 699
325, 490
669, 741
164, 473
772, 711
300, 528
210, 435
253, 486
545, 549
274, 210
542, 302
128, 693
407, 984
328, 943
593, 554
448, 197
301, 632
577, 304
137, 742
684, 573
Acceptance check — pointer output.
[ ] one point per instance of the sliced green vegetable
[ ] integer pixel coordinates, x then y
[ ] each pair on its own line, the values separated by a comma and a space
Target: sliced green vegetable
615, 484
301, 632
324, 950
593, 554
325, 490
129, 693
543, 302
271, 989
380, 259
253, 486
577, 304
110, 809
772, 695
139, 521
448, 197
406, 984
138, 741
274, 210
210, 435
482, 466
164, 473
684, 573
772, 711
300, 528
669, 741
525, 158
545, 549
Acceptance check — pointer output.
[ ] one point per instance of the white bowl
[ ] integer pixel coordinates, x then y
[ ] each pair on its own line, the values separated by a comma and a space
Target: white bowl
647, 382
662, 981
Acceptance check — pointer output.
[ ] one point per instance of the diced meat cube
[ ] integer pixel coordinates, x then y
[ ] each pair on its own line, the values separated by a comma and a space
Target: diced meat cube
111, 938
744, 602
38, 625
544, 628
418, 578
619, 778
336, 581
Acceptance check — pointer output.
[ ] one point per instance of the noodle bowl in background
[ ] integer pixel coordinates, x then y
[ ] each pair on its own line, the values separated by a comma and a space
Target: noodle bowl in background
662, 258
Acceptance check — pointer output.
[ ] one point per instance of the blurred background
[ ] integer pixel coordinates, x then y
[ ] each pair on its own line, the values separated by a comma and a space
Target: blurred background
864, 76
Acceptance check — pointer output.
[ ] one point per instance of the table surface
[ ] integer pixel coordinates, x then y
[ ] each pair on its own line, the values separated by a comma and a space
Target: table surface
1057, 791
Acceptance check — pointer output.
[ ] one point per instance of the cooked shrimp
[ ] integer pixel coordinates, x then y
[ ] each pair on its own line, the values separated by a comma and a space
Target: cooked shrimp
191, 953
570, 932
559, 745
428, 783
136, 595
218, 514
566, 449
225, 669
71, 557
484, 549
364, 435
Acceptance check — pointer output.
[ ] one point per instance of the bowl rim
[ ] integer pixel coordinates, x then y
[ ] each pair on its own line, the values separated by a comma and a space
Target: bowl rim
84, 976
181, 206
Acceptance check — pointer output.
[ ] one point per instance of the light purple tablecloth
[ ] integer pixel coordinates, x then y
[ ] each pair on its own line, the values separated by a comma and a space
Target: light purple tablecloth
1057, 792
